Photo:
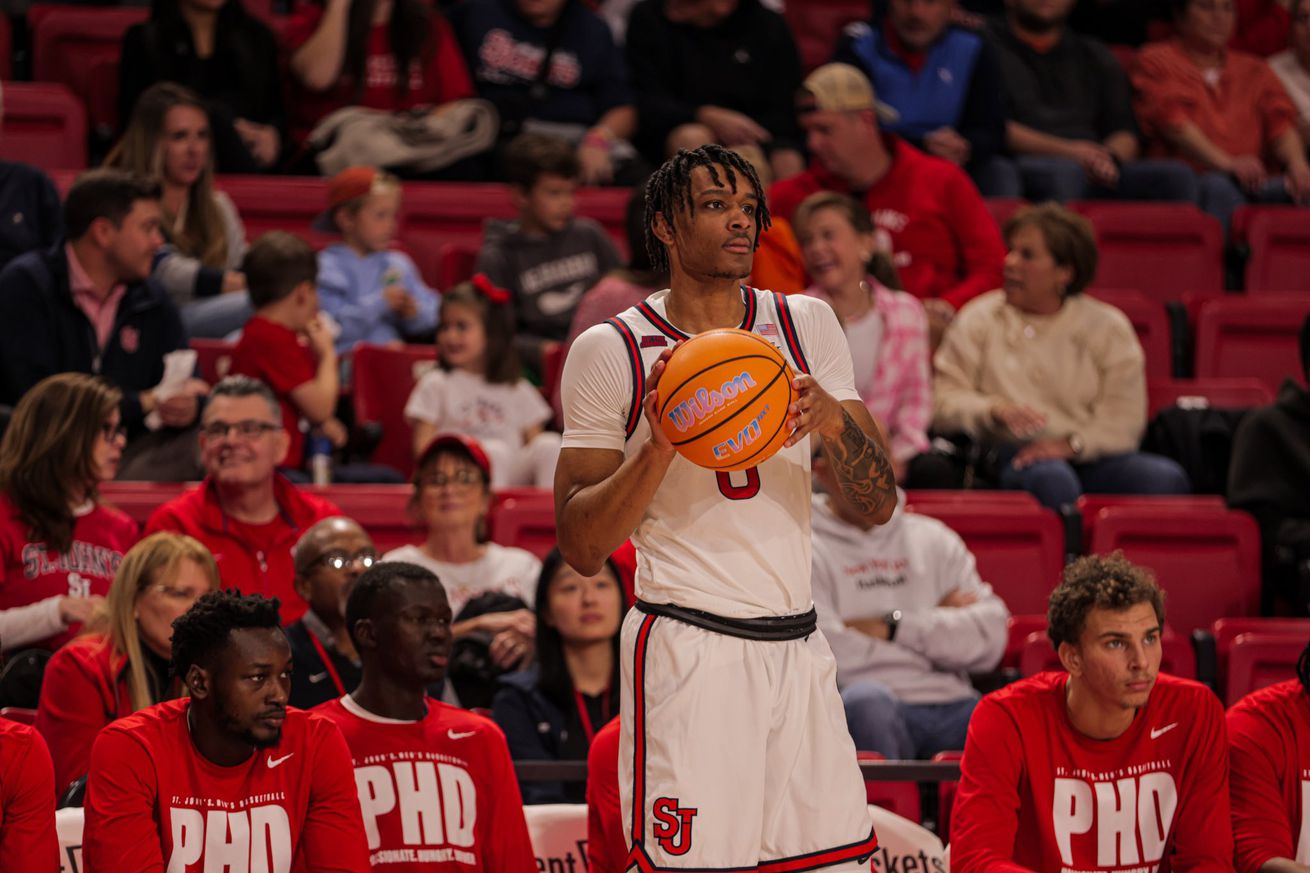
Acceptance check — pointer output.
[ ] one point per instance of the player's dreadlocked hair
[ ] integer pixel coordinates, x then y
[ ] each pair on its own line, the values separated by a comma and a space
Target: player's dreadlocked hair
204, 628
1303, 668
669, 189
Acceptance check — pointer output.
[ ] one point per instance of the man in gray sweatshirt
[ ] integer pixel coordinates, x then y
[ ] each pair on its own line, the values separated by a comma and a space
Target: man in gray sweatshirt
907, 618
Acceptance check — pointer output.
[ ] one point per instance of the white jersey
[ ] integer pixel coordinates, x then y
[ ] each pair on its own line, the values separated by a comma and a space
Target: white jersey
733, 544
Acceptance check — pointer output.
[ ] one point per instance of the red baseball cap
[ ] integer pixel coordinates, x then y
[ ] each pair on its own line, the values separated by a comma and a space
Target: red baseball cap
462, 444
350, 184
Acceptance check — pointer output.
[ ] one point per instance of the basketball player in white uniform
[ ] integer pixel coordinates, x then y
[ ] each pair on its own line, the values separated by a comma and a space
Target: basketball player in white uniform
734, 750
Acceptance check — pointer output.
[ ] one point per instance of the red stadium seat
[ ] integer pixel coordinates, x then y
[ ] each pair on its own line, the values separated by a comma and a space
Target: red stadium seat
901, 798
1019, 549
1039, 655
524, 518
213, 357
455, 264
44, 125
1210, 393
289, 203
816, 24
1151, 323
1208, 562
1020, 627
1259, 660
1279, 241
381, 381
19, 714
79, 46
1226, 630
140, 499
970, 497
1251, 336
946, 792
1002, 208
1161, 249
382, 510
1088, 505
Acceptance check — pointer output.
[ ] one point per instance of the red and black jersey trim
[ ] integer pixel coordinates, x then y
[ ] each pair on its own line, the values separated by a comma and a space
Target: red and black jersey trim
638, 373
748, 297
790, 335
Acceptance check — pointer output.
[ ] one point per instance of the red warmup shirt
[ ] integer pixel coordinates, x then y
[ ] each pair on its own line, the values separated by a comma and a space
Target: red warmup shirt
442, 77
83, 689
607, 847
33, 572
1035, 794
28, 842
1269, 754
154, 802
255, 559
436, 794
274, 355
944, 242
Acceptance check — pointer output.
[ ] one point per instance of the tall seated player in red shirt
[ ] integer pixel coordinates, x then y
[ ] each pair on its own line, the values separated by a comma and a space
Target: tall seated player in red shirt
436, 783
1269, 750
28, 842
231, 778
1108, 766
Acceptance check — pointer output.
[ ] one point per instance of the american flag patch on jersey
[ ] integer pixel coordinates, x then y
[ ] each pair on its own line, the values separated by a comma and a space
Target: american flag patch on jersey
768, 330
654, 341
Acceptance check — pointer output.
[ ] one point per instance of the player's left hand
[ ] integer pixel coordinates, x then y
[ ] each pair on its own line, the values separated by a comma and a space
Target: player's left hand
1043, 450
813, 410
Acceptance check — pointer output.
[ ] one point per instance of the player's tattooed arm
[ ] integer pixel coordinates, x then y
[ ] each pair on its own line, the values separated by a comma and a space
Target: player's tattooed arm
862, 468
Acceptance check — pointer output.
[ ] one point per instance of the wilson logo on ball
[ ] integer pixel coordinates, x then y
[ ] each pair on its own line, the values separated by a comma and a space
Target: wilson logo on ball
705, 403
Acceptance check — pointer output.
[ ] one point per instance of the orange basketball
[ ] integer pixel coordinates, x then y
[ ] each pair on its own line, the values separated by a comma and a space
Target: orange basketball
723, 399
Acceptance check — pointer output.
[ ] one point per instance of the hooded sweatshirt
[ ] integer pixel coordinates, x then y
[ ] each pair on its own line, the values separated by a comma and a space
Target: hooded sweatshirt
910, 563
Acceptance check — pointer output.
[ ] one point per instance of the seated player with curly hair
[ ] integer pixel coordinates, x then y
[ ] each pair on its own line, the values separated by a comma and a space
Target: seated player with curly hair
230, 775
1105, 766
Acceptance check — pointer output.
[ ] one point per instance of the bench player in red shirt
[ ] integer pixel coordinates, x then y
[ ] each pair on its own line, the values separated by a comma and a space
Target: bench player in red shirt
436, 783
1269, 751
231, 778
1110, 766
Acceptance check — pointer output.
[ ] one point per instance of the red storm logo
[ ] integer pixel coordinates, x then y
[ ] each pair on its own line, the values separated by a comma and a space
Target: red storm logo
672, 825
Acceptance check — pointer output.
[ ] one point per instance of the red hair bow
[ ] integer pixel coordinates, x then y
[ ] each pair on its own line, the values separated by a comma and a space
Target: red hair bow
490, 290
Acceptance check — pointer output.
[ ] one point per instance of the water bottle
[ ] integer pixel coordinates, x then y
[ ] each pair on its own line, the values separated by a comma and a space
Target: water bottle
320, 459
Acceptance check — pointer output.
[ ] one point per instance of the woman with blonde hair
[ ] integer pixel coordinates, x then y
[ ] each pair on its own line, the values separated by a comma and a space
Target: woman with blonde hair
168, 138
59, 546
104, 676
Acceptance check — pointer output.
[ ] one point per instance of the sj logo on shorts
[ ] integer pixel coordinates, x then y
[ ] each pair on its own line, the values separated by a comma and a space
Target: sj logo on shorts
672, 825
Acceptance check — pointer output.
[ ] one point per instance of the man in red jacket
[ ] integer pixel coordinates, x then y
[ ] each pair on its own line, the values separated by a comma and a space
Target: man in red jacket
1105, 767
248, 515
944, 243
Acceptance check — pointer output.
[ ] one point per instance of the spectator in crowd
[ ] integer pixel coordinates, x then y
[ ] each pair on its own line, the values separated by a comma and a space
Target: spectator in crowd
1269, 754
221, 52
452, 496
907, 617
547, 256
1222, 111
943, 80
885, 327
89, 306
390, 55
944, 242
1070, 114
244, 512
399, 618
552, 66
169, 137
231, 755
477, 389
1292, 66
105, 676
28, 839
287, 344
607, 846
1047, 755
328, 559
551, 710
1269, 477
1053, 379
724, 71
59, 545
374, 293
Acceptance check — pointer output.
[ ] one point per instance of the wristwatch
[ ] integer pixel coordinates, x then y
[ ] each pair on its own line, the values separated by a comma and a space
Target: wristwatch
1076, 444
893, 621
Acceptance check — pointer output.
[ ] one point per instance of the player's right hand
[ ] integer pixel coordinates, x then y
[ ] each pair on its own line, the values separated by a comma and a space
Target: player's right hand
650, 404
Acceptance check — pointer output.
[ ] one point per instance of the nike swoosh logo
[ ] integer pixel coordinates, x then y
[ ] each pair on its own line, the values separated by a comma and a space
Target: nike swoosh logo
459, 735
1156, 733
273, 762
317, 677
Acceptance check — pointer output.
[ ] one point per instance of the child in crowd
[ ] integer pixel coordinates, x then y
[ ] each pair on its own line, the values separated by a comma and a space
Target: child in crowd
546, 257
478, 389
373, 292
287, 344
